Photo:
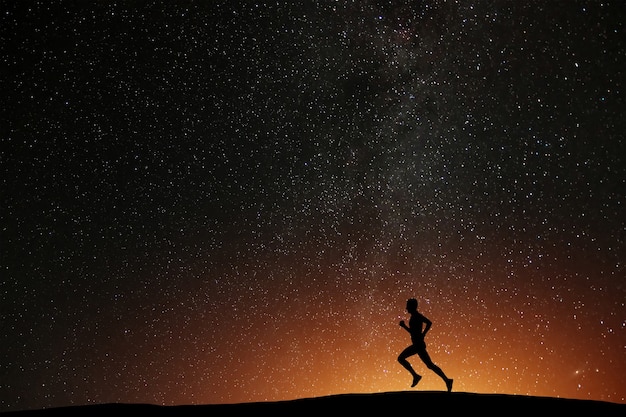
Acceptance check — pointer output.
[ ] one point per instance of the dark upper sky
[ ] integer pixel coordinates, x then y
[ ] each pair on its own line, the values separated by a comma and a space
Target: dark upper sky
219, 201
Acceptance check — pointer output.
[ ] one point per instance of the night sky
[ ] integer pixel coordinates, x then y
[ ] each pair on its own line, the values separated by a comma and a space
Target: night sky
221, 201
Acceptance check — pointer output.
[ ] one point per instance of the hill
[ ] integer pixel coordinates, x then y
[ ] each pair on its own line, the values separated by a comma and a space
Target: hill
344, 404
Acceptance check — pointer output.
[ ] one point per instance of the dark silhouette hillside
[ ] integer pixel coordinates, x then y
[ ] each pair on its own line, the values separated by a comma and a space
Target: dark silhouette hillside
355, 404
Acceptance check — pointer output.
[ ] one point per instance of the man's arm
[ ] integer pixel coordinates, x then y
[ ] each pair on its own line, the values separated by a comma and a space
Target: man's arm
428, 324
404, 326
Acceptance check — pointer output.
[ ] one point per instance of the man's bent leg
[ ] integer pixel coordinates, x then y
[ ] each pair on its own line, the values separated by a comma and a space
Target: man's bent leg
409, 351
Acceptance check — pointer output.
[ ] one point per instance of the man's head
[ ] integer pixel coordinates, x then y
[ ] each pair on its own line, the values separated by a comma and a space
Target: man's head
411, 305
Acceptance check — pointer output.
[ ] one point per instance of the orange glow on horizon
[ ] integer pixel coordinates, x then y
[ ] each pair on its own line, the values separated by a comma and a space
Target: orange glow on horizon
489, 340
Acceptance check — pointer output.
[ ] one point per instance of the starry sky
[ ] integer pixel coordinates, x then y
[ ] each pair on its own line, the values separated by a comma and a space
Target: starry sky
220, 202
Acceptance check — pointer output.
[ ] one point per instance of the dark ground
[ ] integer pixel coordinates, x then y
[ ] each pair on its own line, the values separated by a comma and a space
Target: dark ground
349, 404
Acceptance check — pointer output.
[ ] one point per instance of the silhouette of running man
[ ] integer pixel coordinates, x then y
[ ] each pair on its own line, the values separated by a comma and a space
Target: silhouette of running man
419, 346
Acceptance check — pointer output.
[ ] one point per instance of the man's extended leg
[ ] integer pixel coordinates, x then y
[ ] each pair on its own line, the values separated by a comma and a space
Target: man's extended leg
430, 365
